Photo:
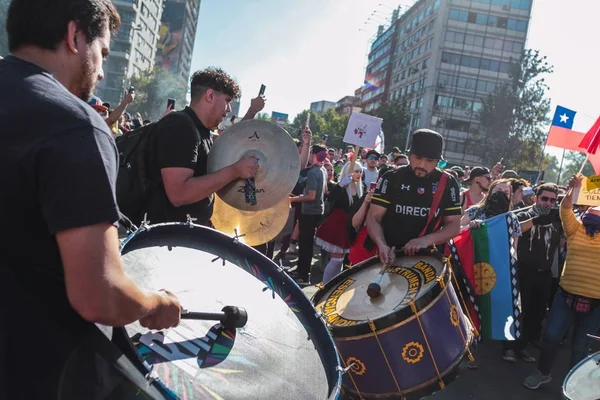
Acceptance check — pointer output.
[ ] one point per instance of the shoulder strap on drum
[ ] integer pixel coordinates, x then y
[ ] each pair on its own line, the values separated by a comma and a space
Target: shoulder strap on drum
437, 199
102, 345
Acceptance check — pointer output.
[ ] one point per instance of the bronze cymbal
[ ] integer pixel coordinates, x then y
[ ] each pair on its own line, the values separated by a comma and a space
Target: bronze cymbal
278, 160
258, 226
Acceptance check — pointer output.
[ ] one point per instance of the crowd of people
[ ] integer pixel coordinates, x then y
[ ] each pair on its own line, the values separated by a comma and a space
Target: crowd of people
59, 172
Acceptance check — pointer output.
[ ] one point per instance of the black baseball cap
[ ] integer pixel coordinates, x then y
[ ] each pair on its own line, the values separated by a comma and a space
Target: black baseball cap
427, 143
373, 152
478, 171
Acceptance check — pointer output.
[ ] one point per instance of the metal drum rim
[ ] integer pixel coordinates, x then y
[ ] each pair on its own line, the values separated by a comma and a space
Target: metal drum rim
570, 374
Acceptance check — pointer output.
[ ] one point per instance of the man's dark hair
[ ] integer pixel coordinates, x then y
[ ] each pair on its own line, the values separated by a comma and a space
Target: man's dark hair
215, 79
43, 23
401, 157
547, 187
516, 183
317, 148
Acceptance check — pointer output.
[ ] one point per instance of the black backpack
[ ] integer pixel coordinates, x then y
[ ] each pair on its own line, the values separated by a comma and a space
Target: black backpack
134, 184
133, 181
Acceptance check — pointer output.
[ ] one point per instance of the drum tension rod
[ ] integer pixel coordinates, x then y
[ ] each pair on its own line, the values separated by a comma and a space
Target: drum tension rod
230, 316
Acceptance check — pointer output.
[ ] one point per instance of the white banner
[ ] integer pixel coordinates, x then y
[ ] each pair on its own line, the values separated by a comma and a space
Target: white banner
363, 130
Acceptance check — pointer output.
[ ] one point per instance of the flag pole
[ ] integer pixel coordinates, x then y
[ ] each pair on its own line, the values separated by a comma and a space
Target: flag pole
587, 155
560, 168
539, 168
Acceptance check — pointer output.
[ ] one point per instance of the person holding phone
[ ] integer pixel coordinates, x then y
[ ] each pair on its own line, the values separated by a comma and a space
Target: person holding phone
329, 236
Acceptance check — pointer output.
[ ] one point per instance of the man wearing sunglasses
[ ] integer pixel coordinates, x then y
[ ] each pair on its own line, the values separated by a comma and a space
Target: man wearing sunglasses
480, 180
371, 172
542, 231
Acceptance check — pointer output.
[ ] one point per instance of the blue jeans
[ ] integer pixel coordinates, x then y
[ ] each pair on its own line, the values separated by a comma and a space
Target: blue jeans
560, 319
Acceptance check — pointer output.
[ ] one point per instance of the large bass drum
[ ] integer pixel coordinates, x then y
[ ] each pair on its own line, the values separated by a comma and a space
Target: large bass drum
283, 352
406, 343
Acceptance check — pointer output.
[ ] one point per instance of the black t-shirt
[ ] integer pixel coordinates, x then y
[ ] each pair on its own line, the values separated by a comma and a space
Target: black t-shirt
537, 246
180, 141
408, 199
58, 169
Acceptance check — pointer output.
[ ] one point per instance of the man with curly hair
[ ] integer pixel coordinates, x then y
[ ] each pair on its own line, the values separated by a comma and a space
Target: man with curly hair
179, 153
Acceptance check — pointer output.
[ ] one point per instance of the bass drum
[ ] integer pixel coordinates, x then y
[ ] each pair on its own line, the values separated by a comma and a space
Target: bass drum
410, 340
283, 352
583, 381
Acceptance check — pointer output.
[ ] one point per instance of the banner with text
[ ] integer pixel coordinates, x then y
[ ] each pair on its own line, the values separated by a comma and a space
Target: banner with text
589, 192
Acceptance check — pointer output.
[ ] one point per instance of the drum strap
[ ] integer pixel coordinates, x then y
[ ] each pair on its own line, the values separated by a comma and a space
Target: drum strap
102, 345
437, 199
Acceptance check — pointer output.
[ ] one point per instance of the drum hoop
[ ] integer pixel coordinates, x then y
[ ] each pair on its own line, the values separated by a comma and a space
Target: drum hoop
572, 371
279, 283
393, 318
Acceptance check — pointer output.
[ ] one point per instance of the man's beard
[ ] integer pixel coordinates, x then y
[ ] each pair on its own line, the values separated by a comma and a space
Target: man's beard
87, 82
414, 170
483, 189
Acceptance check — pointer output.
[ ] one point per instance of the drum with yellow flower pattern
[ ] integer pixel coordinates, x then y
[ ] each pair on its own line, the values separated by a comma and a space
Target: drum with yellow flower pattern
408, 342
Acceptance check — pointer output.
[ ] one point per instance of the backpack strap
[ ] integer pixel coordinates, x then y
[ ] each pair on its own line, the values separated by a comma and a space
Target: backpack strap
437, 199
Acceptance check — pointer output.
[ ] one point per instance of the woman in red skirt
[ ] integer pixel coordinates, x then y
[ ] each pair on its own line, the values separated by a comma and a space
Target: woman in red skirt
358, 251
332, 236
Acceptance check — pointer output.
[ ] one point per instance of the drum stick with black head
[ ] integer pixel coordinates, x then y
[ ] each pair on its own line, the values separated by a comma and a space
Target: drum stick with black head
374, 289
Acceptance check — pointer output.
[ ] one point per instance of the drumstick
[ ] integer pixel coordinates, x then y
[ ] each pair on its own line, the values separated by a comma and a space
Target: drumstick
594, 337
230, 316
374, 289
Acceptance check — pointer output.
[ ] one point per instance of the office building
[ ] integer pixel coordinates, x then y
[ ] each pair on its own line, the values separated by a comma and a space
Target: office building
347, 105
133, 49
322, 106
448, 56
177, 35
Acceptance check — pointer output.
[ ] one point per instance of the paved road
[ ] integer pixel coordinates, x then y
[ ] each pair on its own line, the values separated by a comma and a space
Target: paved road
495, 379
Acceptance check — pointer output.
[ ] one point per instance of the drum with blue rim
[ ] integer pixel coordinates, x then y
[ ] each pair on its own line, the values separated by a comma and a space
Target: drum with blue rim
406, 343
583, 381
284, 351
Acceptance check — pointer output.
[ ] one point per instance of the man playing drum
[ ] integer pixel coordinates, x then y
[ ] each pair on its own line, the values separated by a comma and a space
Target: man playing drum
400, 209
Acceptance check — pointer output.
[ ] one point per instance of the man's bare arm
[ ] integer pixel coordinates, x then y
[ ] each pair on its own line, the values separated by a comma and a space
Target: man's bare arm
97, 287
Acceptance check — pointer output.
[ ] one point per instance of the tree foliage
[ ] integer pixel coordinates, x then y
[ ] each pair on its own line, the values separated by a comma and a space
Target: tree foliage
152, 89
572, 164
329, 123
514, 116
396, 119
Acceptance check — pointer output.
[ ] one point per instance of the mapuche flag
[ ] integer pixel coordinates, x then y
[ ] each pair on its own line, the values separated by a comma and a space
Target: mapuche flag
484, 260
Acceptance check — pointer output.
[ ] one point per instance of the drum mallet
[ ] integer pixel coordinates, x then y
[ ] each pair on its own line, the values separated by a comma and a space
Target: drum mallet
230, 317
374, 289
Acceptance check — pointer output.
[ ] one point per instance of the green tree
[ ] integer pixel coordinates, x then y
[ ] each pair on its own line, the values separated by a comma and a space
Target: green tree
514, 116
572, 164
396, 119
152, 89
316, 125
3, 36
334, 126
264, 117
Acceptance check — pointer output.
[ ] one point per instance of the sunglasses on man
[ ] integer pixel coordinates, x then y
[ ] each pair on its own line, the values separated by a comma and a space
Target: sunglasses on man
373, 158
548, 199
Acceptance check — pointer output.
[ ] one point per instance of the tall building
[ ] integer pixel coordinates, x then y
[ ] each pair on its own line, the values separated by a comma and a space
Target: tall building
322, 106
133, 49
177, 34
449, 55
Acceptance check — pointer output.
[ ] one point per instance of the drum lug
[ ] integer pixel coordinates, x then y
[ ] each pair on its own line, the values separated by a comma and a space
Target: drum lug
236, 238
344, 371
145, 222
190, 221
152, 375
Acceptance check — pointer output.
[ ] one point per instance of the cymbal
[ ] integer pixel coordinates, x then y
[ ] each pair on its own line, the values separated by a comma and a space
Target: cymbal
258, 226
278, 160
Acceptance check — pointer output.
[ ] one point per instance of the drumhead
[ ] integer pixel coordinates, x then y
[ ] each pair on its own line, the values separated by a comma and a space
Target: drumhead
583, 381
346, 303
270, 357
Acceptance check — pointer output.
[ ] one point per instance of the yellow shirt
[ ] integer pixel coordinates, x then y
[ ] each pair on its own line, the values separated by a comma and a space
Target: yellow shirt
581, 275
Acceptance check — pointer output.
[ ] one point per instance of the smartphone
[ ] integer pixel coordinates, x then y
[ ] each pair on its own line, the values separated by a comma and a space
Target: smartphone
325, 137
373, 185
171, 104
262, 90
131, 89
